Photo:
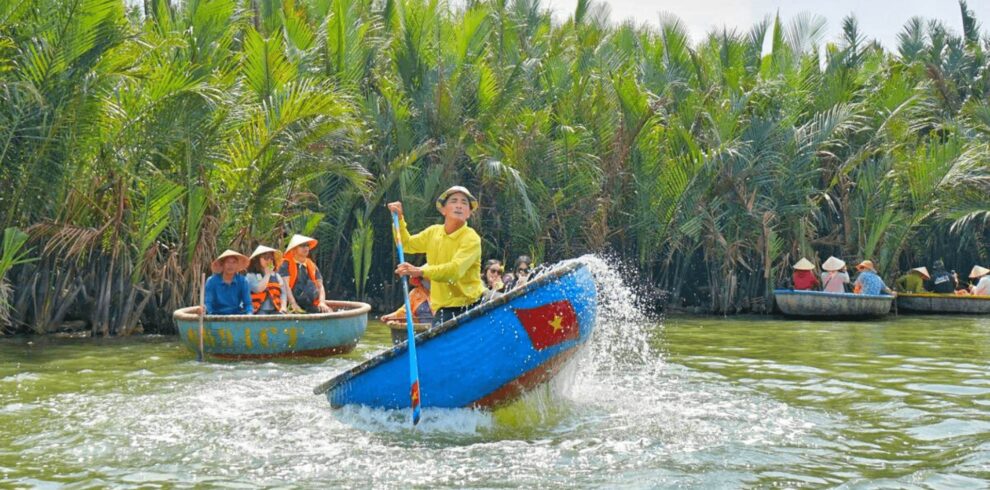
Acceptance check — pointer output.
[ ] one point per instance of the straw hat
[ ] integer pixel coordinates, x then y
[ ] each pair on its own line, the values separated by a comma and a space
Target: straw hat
262, 250
217, 265
453, 190
833, 264
866, 264
298, 240
923, 271
804, 265
978, 272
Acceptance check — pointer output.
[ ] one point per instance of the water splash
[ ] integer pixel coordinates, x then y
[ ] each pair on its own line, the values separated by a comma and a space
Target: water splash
623, 329
621, 341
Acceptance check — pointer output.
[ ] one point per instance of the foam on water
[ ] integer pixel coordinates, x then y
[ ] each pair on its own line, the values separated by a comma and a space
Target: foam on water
433, 420
20, 377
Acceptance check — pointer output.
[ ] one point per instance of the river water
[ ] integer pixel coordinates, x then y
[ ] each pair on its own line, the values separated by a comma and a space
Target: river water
677, 402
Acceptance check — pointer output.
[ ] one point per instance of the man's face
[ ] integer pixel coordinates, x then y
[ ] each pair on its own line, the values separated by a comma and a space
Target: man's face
457, 207
302, 251
231, 265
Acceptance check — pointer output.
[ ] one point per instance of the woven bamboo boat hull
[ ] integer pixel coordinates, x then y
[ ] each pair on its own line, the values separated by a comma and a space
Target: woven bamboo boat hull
942, 303
273, 336
818, 304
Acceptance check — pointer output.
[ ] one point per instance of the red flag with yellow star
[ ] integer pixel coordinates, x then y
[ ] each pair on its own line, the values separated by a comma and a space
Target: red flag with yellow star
549, 324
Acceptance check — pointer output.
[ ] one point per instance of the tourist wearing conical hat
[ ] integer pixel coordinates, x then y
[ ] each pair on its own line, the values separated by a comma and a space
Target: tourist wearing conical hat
304, 278
226, 291
913, 281
834, 275
269, 292
868, 281
453, 254
804, 278
981, 274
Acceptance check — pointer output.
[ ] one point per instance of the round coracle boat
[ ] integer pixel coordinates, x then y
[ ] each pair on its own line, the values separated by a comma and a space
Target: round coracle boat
273, 336
486, 357
943, 303
819, 304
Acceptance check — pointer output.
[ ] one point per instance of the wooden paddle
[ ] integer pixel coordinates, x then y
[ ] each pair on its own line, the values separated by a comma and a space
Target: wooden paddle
202, 313
413, 363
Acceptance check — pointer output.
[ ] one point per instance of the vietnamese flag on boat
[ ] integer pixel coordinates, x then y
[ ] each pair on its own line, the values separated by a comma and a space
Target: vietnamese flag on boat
550, 324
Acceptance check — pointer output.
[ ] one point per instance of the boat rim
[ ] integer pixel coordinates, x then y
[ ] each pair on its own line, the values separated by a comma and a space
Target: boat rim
349, 309
943, 296
790, 292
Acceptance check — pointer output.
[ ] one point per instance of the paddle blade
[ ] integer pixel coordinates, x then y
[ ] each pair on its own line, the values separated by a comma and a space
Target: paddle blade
414, 396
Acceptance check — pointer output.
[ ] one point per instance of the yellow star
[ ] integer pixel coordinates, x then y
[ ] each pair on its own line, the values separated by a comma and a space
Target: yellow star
556, 323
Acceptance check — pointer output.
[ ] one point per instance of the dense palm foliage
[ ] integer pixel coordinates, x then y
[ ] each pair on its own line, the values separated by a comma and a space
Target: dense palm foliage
134, 145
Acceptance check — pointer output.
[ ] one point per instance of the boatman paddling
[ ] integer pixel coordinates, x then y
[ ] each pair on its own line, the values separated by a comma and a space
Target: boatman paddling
453, 255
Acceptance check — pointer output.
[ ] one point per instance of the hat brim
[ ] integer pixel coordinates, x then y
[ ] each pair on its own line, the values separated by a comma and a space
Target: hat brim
833, 264
442, 198
298, 240
217, 265
262, 250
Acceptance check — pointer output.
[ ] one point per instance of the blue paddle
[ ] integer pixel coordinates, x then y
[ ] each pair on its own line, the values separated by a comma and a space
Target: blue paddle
413, 363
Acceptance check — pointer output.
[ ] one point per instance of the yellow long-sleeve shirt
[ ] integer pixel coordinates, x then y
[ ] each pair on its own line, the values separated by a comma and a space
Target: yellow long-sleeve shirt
453, 263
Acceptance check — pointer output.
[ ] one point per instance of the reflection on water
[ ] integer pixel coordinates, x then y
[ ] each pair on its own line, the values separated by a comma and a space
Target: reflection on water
694, 402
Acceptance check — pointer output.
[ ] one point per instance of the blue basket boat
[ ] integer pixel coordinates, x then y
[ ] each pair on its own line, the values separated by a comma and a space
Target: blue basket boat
273, 336
819, 304
486, 357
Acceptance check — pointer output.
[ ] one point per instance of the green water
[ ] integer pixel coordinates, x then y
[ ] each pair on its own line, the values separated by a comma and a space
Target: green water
753, 402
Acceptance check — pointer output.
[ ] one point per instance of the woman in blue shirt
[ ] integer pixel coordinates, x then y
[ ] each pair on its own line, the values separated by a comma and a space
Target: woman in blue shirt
227, 292
868, 281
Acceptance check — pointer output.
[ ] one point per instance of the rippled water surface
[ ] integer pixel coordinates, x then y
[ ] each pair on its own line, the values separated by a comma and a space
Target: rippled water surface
695, 402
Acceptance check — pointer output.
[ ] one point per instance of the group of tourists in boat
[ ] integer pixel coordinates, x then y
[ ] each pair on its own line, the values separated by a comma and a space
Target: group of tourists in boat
269, 282
835, 279
942, 281
242, 285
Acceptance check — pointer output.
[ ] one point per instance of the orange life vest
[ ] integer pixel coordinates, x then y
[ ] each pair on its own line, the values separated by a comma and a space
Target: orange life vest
290, 259
272, 290
419, 299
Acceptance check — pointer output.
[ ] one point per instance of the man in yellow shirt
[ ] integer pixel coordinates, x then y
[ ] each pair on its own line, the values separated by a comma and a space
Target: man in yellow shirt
453, 255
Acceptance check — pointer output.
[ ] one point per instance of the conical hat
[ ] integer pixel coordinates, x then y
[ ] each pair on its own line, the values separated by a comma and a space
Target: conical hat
217, 265
298, 240
804, 265
978, 272
866, 264
923, 271
833, 264
261, 250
